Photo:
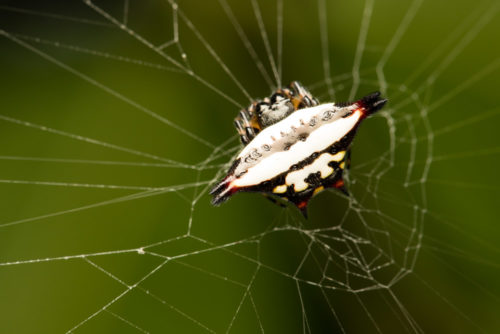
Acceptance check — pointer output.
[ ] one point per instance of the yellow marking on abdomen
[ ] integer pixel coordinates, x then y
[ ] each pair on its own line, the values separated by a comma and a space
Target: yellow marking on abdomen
280, 189
339, 156
317, 190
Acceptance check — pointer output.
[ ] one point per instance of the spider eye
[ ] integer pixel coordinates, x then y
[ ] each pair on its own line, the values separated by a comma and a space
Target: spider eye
277, 98
261, 108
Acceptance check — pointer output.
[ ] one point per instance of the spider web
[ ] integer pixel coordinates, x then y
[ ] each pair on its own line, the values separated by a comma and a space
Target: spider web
117, 119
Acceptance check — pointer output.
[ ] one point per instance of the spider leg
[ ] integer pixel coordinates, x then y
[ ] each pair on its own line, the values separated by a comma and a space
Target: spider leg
246, 125
302, 98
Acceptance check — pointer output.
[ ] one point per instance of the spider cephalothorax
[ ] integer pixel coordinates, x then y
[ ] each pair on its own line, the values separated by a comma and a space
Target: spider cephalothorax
271, 110
295, 147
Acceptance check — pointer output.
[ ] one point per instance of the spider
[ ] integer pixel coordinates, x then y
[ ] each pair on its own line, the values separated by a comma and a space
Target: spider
295, 147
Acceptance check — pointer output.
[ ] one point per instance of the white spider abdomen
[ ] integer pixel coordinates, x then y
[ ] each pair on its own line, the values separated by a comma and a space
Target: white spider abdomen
278, 160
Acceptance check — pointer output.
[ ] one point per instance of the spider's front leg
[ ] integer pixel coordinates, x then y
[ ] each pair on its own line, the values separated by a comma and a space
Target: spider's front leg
302, 98
247, 125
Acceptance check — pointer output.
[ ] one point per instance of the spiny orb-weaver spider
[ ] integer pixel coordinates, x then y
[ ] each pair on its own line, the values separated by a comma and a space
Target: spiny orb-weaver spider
294, 146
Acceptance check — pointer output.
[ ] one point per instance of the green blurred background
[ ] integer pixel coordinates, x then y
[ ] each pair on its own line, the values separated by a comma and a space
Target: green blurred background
75, 212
